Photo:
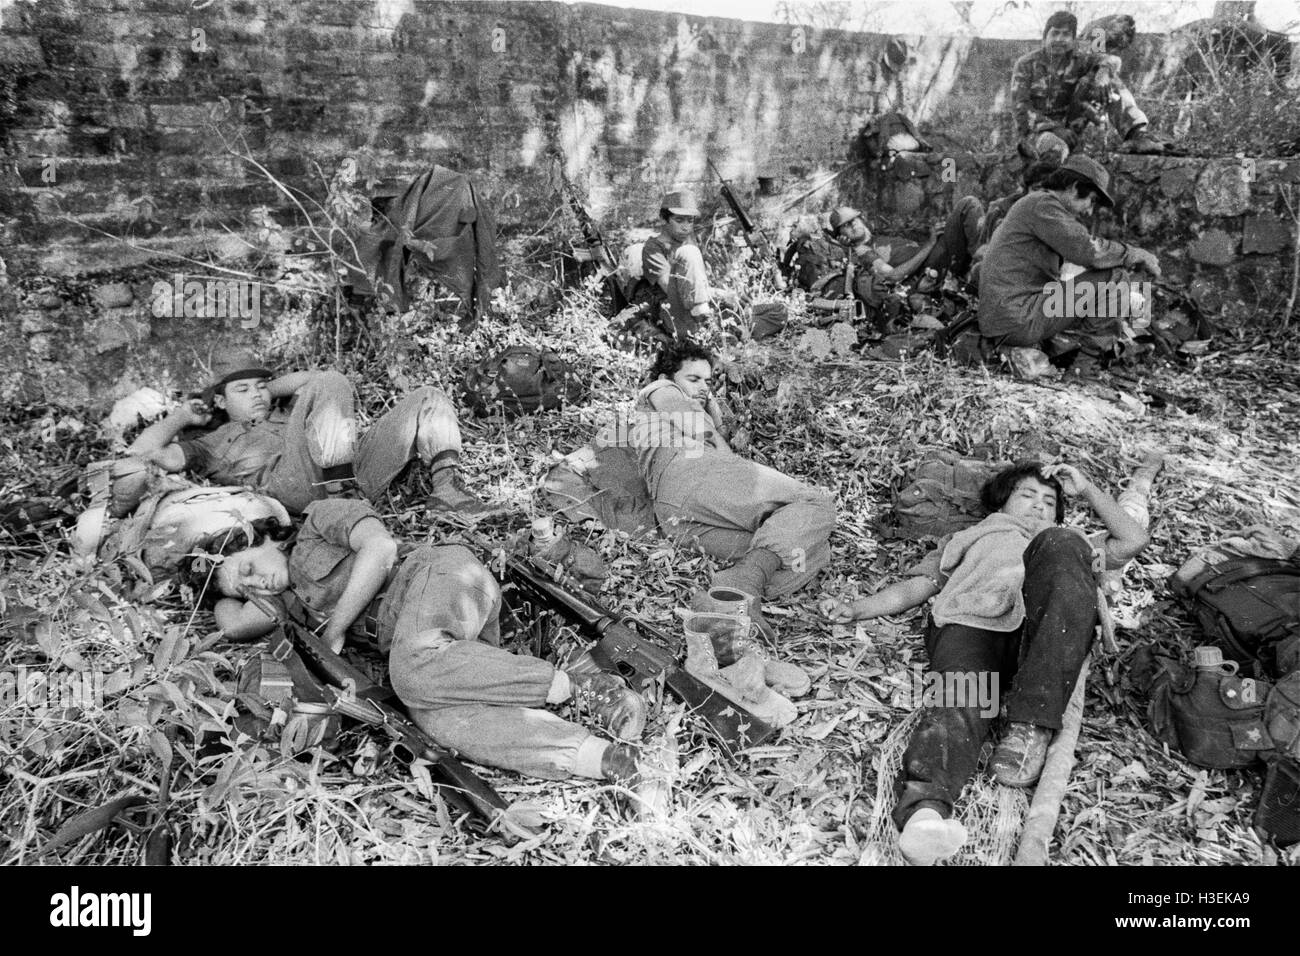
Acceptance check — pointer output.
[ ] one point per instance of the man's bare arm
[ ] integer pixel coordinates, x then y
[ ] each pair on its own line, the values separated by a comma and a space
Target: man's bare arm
288, 384
376, 552
242, 620
157, 443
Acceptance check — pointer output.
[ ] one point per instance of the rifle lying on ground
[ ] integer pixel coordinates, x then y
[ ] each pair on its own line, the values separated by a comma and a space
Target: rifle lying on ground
620, 650
351, 693
599, 249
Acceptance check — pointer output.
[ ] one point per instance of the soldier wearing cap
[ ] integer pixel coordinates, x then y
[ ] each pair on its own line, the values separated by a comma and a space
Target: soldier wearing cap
1020, 277
1058, 90
297, 456
673, 265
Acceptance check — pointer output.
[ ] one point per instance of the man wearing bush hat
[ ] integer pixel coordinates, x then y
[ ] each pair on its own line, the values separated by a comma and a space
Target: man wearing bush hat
1023, 299
674, 266
300, 454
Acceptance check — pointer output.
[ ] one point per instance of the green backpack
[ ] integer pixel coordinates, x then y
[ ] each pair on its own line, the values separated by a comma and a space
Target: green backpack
943, 495
521, 379
1249, 606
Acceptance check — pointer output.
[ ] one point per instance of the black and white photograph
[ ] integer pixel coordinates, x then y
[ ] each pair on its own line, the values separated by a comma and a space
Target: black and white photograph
650, 433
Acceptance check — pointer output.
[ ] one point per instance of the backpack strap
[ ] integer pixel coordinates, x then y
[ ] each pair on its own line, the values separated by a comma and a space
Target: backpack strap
1214, 581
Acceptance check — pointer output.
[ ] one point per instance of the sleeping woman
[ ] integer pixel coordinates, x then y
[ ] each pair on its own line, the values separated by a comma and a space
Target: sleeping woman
1015, 608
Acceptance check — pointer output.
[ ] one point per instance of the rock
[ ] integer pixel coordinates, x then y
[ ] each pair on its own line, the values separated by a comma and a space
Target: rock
1223, 189
39, 346
1149, 219
1175, 181
1206, 297
50, 303
67, 390
1214, 248
120, 327
35, 320
1264, 234
114, 295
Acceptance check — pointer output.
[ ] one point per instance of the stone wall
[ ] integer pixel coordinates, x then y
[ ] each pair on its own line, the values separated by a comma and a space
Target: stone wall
140, 135
1221, 227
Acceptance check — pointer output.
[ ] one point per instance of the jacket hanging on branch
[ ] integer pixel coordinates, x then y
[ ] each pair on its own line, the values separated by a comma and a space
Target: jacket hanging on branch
440, 221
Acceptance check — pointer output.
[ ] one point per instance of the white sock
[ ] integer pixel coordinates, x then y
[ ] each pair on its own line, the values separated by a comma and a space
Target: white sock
927, 837
590, 754
561, 688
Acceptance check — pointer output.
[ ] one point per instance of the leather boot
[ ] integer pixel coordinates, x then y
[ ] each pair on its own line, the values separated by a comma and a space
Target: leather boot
751, 575
449, 491
724, 615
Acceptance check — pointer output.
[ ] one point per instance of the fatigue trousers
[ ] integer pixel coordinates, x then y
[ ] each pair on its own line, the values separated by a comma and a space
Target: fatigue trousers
1039, 662
438, 622
726, 505
956, 247
688, 290
321, 433
1060, 134
1039, 326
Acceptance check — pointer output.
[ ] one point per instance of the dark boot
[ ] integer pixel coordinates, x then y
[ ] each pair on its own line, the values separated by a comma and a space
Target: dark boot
619, 765
1139, 140
620, 711
449, 491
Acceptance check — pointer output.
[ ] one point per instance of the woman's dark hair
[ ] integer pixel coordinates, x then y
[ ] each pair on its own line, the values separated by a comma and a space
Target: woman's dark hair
998, 489
1059, 179
673, 357
198, 569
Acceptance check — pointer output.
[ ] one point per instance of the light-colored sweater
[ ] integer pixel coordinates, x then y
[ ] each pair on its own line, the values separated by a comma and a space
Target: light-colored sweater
985, 571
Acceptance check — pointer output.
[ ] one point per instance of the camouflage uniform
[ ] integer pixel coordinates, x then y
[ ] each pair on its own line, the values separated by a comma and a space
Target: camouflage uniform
1058, 95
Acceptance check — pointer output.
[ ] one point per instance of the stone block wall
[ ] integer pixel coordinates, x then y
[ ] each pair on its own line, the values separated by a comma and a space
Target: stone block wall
1221, 227
139, 135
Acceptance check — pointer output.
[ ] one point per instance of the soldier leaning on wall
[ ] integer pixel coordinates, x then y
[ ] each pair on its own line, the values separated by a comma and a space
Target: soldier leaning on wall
1059, 90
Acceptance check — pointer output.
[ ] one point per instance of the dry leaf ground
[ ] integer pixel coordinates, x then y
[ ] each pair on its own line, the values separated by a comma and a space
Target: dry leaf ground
850, 424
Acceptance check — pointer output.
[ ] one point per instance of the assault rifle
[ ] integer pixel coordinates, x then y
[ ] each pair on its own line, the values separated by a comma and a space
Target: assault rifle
762, 244
620, 650
599, 249
351, 693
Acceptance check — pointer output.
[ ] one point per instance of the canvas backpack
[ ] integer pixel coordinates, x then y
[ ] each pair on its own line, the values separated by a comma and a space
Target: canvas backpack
521, 379
943, 495
1249, 606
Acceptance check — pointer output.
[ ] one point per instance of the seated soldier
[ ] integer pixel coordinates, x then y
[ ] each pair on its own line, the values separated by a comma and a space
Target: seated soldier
1057, 91
434, 613
293, 455
1016, 607
1023, 299
673, 276
1031, 178
775, 528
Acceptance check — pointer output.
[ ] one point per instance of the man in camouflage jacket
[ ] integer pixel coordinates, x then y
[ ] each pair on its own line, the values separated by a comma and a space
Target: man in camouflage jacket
1058, 90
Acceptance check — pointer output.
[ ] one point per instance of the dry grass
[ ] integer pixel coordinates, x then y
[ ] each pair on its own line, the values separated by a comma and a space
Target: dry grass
819, 794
